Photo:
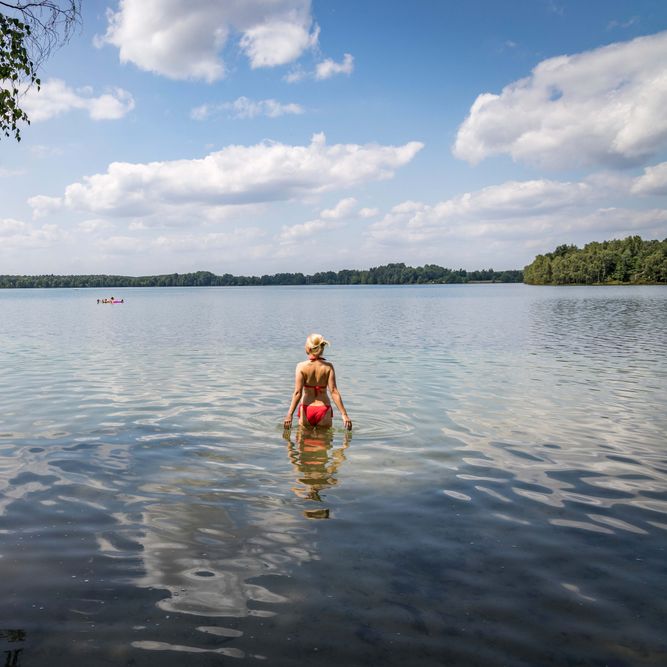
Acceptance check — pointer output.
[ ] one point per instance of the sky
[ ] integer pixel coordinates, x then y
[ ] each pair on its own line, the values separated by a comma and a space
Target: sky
261, 136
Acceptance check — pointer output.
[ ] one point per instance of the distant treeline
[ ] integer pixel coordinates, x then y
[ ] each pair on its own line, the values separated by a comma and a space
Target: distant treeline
631, 260
390, 274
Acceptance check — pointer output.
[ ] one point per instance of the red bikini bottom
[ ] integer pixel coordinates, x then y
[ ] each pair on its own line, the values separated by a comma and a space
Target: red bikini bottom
315, 413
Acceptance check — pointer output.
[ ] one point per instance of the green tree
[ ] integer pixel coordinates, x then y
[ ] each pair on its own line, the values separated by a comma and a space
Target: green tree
629, 260
29, 31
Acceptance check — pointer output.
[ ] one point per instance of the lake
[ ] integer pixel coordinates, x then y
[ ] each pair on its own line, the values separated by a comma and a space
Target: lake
501, 500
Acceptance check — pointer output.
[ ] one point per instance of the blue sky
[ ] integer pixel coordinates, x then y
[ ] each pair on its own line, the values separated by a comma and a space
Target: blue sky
254, 137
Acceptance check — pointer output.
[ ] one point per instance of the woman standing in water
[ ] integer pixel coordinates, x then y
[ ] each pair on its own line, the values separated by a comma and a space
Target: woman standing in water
311, 381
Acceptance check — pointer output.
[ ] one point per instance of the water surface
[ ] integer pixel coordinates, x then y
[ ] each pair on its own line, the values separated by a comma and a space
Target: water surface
502, 499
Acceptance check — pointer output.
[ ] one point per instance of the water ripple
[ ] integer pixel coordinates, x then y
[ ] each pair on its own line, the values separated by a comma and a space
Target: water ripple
505, 479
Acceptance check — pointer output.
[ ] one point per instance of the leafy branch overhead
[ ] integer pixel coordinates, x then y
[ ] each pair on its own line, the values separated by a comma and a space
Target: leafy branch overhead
29, 32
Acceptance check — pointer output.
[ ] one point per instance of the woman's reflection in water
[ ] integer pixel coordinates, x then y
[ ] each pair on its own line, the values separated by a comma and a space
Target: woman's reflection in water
316, 459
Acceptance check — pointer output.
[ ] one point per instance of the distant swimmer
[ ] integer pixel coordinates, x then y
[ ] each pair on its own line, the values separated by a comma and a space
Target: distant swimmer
312, 379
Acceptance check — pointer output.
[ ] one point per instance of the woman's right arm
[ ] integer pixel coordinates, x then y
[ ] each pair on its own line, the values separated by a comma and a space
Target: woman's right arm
296, 397
335, 395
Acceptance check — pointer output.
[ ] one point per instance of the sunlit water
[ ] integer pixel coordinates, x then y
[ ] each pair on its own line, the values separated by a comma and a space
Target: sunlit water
502, 499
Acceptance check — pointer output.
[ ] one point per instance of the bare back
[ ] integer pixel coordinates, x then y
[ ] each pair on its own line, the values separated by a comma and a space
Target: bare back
316, 375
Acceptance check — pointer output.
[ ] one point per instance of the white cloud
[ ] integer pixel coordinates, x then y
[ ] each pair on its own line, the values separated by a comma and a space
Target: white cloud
19, 234
277, 42
244, 107
526, 213
202, 112
296, 74
297, 232
55, 97
328, 68
342, 209
368, 212
599, 107
623, 24
183, 39
323, 70
329, 218
516, 204
10, 227
43, 205
235, 175
653, 181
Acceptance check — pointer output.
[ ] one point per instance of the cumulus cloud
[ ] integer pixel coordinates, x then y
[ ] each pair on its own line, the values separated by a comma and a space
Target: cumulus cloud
296, 74
328, 68
277, 42
652, 182
244, 107
515, 204
527, 213
55, 97
185, 38
297, 232
233, 176
323, 70
342, 209
329, 218
10, 226
43, 205
604, 106
19, 234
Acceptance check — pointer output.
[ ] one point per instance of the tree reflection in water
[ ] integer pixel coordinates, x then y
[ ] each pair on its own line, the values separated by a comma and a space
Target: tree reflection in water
316, 460
12, 651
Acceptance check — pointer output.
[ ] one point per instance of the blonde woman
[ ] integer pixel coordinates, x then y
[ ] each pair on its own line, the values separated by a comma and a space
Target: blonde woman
311, 381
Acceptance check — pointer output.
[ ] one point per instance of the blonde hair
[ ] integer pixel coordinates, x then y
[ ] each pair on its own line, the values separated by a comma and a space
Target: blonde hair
315, 344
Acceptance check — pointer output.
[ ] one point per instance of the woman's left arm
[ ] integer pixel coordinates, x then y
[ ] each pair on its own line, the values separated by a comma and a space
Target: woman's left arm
338, 400
296, 397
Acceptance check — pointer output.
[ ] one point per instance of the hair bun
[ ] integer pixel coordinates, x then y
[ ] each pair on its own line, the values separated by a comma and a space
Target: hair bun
316, 343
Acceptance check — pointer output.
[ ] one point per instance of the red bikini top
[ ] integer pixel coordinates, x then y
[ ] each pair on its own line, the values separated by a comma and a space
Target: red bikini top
316, 387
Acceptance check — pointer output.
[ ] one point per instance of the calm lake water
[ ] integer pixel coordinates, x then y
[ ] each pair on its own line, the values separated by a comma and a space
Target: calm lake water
502, 499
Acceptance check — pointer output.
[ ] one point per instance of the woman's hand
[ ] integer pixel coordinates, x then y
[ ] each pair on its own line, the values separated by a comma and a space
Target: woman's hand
347, 422
287, 423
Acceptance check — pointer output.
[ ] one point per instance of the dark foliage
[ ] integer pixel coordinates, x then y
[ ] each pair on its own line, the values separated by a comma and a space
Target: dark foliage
390, 274
630, 260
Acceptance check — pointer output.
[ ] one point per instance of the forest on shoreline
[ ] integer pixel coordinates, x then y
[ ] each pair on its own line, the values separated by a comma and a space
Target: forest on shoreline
388, 274
620, 261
